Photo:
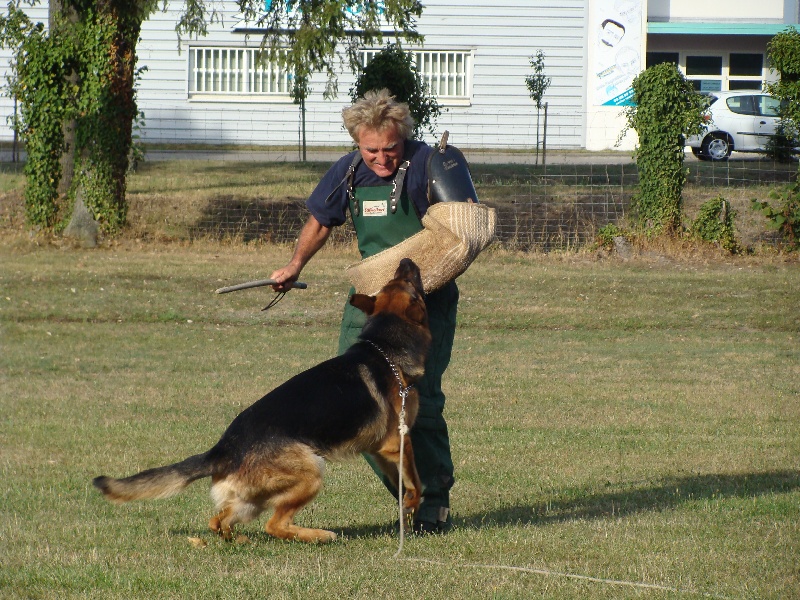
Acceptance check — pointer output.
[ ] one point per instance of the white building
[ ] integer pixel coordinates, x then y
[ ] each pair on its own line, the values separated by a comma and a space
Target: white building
475, 55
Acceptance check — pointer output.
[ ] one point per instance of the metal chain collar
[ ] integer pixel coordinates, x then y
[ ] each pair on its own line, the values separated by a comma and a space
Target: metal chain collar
404, 389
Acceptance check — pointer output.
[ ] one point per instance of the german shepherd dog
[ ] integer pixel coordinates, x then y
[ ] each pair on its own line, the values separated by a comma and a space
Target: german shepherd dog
273, 453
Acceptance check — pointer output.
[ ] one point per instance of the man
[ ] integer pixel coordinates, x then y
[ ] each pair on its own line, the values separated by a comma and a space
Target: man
384, 186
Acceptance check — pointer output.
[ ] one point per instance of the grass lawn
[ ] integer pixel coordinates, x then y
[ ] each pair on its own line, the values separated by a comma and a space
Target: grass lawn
620, 429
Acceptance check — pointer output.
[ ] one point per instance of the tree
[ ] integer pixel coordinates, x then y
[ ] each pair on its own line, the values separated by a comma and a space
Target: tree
313, 36
84, 69
394, 69
76, 78
666, 109
783, 52
537, 84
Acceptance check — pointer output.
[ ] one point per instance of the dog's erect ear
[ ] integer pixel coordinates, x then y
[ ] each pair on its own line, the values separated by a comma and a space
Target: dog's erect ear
363, 302
416, 313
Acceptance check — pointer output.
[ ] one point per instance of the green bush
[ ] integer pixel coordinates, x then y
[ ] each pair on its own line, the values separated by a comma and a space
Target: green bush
666, 110
783, 52
780, 147
394, 69
714, 224
606, 235
785, 216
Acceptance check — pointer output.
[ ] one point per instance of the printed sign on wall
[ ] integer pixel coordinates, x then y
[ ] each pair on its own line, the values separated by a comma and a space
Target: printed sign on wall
616, 32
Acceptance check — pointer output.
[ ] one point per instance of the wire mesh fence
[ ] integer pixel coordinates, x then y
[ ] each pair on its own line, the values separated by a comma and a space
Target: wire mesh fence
557, 206
539, 207
253, 219
560, 207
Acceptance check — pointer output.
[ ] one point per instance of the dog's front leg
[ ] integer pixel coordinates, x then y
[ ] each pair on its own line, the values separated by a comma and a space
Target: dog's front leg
388, 459
411, 482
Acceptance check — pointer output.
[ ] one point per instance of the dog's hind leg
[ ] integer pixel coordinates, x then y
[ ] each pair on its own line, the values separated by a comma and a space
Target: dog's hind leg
302, 480
221, 523
282, 525
232, 507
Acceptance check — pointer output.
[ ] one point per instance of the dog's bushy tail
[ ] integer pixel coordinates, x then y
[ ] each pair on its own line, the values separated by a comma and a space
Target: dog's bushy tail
161, 482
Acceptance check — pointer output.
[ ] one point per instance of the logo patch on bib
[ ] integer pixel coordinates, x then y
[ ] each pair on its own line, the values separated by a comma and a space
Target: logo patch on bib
375, 208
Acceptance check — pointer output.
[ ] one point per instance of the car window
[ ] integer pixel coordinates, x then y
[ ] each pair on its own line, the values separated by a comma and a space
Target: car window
769, 106
741, 105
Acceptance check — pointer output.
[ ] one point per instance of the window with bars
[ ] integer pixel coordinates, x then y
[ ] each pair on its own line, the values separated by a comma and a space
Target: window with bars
447, 73
215, 71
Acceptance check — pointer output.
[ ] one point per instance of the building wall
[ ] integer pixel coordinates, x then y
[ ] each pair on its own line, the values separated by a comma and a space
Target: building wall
763, 11
501, 36
498, 114
710, 45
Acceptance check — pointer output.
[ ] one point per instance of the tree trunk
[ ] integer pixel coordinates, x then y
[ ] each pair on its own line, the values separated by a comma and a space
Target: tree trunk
82, 227
67, 161
105, 135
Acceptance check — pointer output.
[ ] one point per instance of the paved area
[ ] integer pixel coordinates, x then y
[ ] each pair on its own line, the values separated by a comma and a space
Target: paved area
477, 156
474, 156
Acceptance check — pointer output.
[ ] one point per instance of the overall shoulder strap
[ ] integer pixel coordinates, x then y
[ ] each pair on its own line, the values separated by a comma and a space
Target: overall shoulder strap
348, 177
397, 185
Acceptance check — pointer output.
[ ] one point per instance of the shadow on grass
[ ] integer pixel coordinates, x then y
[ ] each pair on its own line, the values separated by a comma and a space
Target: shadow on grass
575, 505
667, 494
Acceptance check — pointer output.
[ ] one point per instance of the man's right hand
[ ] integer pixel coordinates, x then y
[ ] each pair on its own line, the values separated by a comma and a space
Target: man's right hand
284, 277
312, 237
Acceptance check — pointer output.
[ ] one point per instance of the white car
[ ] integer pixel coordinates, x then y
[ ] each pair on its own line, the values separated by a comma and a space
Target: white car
736, 121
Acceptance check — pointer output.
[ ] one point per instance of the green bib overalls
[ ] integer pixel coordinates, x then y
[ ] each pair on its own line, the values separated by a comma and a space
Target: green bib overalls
377, 229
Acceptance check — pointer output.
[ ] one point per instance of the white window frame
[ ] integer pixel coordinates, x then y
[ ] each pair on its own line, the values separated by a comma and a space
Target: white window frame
724, 77
230, 73
759, 78
723, 67
448, 73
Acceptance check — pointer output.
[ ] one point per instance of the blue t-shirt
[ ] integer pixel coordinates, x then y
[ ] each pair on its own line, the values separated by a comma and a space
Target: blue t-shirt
328, 203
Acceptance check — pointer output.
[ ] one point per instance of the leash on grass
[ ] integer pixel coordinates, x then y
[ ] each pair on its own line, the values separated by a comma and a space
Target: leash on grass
403, 429
587, 578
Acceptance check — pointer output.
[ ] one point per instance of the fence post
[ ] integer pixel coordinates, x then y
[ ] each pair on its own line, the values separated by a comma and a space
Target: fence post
303, 126
14, 147
544, 137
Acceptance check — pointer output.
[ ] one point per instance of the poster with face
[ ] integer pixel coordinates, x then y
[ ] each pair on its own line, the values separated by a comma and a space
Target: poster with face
616, 32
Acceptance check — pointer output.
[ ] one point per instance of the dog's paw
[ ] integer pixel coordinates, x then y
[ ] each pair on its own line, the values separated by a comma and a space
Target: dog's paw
224, 531
411, 500
326, 538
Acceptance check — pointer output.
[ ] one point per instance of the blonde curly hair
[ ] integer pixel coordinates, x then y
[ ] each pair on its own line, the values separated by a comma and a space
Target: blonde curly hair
378, 110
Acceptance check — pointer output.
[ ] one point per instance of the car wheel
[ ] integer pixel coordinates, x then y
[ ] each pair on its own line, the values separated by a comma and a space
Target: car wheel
717, 146
699, 154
